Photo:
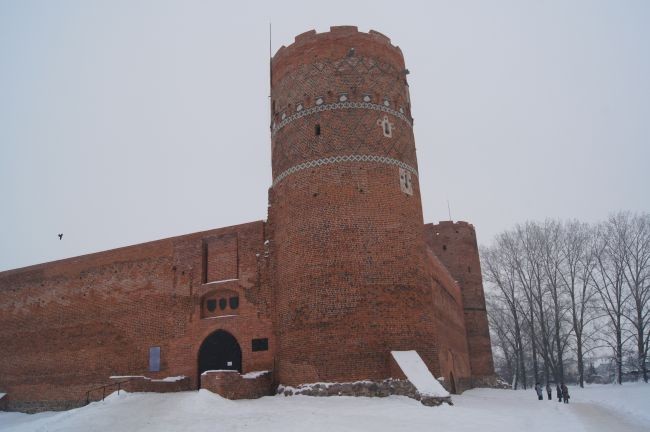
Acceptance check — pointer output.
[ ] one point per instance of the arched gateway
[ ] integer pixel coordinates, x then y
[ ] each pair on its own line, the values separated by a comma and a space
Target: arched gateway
219, 351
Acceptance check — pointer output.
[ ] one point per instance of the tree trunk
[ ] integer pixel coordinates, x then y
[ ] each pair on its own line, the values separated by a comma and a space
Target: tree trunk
520, 346
619, 353
581, 365
533, 342
560, 366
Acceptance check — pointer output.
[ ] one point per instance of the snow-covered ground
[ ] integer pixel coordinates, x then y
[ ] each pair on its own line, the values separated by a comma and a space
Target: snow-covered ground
629, 400
595, 408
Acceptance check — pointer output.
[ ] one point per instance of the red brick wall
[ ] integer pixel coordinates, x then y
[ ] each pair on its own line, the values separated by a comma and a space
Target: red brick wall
141, 384
221, 258
455, 245
450, 320
233, 385
350, 267
68, 326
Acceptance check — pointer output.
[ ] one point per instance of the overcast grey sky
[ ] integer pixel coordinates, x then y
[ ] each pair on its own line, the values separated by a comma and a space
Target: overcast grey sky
128, 121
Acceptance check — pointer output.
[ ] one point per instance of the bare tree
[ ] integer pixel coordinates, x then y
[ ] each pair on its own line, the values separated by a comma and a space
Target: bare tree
579, 264
552, 262
562, 290
544, 264
634, 231
501, 275
609, 282
522, 249
504, 340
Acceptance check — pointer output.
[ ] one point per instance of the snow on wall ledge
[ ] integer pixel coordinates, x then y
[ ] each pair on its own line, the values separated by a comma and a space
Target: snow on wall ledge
167, 379
417, 372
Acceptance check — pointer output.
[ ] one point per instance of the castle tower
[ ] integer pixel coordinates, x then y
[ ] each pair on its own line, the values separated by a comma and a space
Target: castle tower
350, 271
455, 245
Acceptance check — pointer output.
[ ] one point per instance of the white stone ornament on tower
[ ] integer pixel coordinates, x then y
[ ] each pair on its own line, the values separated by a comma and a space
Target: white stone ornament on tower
386, 126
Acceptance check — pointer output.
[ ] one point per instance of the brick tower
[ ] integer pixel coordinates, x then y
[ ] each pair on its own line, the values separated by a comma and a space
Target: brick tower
350, 275
455, 245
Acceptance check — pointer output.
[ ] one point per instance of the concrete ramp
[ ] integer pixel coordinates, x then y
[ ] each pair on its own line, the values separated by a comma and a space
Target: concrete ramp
418, 373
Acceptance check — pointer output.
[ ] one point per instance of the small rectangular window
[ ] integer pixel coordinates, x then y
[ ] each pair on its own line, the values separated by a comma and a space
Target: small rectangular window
154, 359
261, 344
317, 129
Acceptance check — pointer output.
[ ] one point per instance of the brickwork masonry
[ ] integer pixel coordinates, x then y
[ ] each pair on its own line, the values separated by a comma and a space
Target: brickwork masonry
343, 272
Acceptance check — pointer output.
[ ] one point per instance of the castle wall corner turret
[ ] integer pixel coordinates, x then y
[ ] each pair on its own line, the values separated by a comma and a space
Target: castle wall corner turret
454, 243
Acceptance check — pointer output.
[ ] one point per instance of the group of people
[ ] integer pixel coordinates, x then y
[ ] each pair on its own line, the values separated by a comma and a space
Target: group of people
561, 389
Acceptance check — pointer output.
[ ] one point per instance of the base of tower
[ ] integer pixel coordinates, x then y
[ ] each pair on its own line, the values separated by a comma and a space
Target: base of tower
366, 388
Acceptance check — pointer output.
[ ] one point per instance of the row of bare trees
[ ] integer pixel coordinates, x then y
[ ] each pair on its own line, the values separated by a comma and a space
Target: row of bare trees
561, 293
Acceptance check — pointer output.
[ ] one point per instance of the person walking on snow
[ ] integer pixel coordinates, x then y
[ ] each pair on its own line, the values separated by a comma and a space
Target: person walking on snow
549, 391
538, 389
559, 392
565, 393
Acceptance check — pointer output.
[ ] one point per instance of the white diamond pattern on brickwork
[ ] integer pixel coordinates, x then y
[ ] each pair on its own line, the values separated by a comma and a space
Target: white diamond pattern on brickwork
338, 159
339, 105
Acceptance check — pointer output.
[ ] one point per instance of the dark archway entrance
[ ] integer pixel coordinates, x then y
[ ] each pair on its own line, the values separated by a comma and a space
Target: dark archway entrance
219, 351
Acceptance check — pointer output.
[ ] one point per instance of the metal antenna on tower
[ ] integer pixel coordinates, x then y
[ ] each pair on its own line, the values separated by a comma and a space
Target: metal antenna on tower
448, 209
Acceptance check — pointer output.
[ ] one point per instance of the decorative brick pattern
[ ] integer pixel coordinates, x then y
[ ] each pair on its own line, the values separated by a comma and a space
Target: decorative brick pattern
346, 96
340, 105
340, 159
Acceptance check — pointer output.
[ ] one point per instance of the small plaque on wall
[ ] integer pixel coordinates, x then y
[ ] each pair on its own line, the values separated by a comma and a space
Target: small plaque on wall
260, 344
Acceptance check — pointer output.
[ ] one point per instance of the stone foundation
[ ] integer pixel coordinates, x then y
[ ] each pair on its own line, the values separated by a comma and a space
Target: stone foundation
489, 381
388, 387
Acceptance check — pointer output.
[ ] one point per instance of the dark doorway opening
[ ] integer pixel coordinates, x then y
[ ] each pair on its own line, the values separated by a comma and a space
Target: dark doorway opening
452, 383
219, 351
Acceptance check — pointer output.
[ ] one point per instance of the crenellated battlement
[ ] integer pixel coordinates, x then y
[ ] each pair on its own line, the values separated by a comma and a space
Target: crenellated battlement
447, 226
339, 42
336, 32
